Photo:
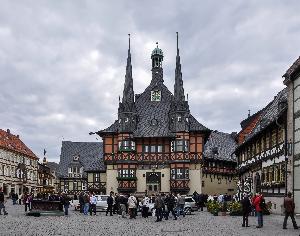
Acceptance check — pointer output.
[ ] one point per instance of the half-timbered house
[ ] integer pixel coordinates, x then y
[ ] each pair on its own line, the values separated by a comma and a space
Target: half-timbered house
156, 144
262, 157
81, 166
219, 174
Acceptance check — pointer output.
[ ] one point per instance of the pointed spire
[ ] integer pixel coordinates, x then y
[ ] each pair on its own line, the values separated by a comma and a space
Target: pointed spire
128, 93
177, 44
129, 42
178, 87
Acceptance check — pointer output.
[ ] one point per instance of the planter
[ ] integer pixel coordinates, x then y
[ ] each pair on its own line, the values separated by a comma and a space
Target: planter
223, 213
235, 213
215, 213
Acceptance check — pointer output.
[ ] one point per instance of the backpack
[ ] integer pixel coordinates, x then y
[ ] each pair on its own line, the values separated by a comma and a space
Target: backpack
262, 204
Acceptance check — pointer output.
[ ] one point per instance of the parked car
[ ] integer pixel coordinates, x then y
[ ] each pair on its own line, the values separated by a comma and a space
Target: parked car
101, 202
190, 205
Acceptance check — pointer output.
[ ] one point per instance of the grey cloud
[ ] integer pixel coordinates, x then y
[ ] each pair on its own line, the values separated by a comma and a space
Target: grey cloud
62, 63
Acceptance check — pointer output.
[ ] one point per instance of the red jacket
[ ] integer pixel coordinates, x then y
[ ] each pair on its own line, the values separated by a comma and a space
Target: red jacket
256, 202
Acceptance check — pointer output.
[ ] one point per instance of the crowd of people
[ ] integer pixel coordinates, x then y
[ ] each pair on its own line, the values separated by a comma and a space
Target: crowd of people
258, 204
159, 205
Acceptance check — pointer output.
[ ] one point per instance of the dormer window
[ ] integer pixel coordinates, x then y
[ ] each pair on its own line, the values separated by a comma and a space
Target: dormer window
179, 118
156, 96
126, 119
76, 158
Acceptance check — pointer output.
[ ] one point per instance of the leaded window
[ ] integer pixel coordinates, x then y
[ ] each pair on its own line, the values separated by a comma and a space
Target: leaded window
153, 148
180, 173
274, 138
125, 173
126, 145
180, 145
97, 177
267, 140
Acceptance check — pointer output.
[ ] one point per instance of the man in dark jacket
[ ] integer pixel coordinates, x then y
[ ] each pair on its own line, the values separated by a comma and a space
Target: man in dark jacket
170, 202
2, 200
158, 205
65, 201
246, 209
110, 203
81, 202
289, 206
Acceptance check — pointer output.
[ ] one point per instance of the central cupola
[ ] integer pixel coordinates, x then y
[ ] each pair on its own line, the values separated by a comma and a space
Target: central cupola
157, 57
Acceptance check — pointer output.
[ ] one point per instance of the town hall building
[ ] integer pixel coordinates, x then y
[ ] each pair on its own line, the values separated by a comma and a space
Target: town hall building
156, 144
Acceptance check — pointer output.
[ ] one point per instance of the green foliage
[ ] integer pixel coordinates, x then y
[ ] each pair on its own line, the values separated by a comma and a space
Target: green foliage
235, 208
213, 207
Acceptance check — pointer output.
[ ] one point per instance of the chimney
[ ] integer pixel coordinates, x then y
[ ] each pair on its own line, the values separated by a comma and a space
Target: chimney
249, 113
8, 131
18, 136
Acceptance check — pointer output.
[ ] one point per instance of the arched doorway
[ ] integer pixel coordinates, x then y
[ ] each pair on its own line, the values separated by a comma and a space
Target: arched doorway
153, 182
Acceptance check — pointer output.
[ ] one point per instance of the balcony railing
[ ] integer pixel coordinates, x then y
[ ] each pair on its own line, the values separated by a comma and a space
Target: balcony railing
152, 157
179, 185
127, 185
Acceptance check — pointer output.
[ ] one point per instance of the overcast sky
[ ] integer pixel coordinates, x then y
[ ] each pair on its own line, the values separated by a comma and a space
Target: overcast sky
62, 63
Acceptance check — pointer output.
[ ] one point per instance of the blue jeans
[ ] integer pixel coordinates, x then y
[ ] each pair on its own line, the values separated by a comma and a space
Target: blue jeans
86, 208
66, 209
260, 219
180, 208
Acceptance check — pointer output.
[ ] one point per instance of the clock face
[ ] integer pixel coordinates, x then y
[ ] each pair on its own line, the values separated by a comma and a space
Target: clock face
76, 158
156, 96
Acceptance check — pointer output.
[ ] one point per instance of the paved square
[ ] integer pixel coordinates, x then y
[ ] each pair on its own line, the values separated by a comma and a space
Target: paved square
200, 223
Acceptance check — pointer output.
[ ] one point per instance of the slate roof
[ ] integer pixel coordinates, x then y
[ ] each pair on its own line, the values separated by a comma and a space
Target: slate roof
220, 146
14, 143
148, 110
269, 114
152, 118
195, 125
53, 167
90, 156
295, 67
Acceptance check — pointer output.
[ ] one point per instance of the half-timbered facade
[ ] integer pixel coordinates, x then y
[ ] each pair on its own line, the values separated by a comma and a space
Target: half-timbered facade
18, 165
292, 81
262, 157
156, 144
219, 174
80, 167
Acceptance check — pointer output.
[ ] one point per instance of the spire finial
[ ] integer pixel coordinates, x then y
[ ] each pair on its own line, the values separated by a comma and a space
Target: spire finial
157, 44
177, 43
129, 41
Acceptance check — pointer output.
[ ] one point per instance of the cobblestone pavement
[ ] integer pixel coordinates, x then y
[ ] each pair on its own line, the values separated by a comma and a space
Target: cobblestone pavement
200, 223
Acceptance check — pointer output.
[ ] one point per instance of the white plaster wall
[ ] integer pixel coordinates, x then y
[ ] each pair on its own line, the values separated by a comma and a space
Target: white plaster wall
111, 182
195, 179
141, 181
165, 181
